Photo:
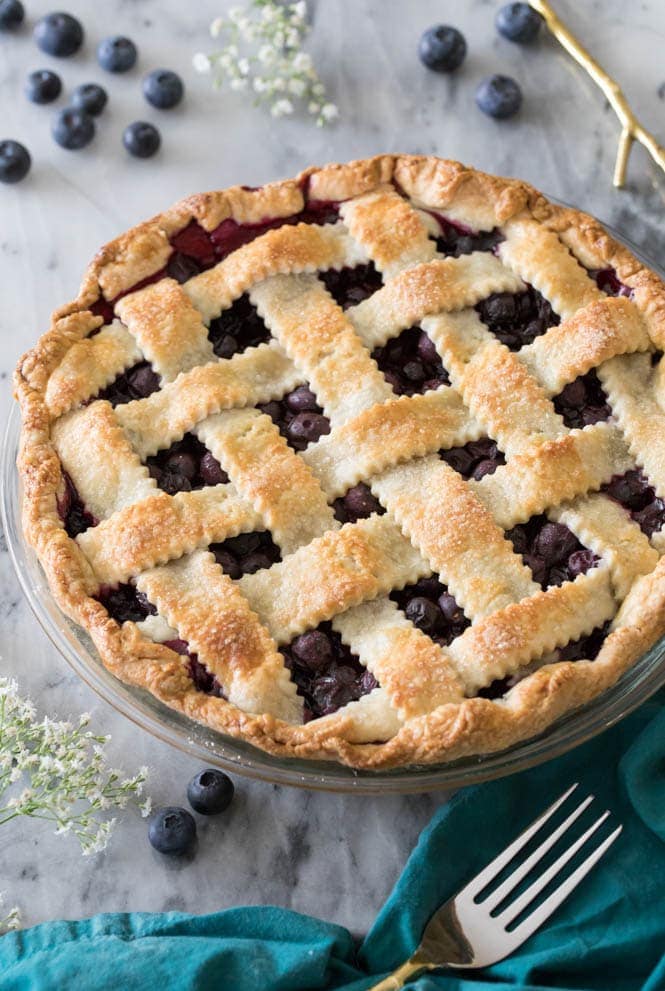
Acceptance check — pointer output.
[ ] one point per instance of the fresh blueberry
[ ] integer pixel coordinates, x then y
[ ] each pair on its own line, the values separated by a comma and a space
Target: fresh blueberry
499, 96
89, 97
442, 48
11, 14
172, 830
210, 792
141, 139
116, 54
43, 86
73, 129
58, 34
518, 22
163, 89
14, 161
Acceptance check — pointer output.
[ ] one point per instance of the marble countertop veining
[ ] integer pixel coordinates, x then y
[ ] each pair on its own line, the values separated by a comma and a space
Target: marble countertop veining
331, 855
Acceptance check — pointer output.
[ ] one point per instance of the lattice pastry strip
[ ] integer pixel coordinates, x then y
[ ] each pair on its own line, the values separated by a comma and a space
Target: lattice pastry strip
208, 610
443, 284
89, 366
602, 330
168, 329
255, 376
456, 535
315, 333
304, 248
271, 476
502, 642
552, 472
390, 230
605, 528
95, 452
415, 673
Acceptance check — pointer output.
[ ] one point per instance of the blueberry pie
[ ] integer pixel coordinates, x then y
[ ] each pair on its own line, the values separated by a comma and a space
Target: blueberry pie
366, 466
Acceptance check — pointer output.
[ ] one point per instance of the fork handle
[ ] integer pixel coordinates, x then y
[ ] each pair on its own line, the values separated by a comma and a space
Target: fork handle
399, 977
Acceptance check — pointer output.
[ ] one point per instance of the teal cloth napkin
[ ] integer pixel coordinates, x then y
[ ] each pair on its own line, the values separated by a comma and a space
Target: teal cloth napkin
609, 935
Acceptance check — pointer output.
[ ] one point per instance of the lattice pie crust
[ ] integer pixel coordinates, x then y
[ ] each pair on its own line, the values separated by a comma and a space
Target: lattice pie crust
425, 706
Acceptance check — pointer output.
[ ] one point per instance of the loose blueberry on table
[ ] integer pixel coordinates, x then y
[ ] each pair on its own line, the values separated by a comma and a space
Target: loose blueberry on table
58, 34
442, 48
116, 54
163, 89
499, 97
327, 674
90, 98
12, 13
210, 792
43, 86
15, 161
73, 129
519, 22
141, 139
172, 830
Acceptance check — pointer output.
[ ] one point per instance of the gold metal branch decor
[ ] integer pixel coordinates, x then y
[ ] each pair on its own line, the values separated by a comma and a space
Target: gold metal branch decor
631, 129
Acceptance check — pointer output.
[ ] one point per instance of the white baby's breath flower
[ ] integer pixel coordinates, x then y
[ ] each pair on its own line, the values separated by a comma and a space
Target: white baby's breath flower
276, 65
201, 62
12, 920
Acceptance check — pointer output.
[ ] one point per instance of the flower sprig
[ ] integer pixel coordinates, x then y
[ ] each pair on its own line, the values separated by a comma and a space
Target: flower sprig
264, 56
57, 771
11, 920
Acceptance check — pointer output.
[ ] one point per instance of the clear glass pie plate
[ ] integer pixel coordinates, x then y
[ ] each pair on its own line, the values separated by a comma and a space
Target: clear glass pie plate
641, 681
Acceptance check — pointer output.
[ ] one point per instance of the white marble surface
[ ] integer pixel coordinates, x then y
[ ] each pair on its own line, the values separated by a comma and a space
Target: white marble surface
330, 855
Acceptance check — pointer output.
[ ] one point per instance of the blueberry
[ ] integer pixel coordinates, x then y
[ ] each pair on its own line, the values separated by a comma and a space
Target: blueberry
14, 161
442, 48
211, 471
306, 428
172, 830
73, 129
163, 88
210, 792
43, 86
58, 34
359, 502
499, 97
302, 400
116, 54
89, 97
11, 14
422, 613
313, 649
141, 139
518, 22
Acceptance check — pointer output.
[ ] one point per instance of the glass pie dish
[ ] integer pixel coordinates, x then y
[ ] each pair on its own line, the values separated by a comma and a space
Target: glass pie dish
640, 681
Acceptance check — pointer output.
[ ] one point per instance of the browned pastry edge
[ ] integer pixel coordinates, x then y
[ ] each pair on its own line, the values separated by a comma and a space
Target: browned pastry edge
475, 726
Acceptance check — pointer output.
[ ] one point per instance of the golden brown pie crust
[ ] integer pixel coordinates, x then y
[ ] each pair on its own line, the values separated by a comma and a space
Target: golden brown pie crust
434, 521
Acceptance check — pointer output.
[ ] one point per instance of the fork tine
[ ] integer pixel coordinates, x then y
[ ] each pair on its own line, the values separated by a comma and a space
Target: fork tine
520, 872
514, 909
481, 880
543, 912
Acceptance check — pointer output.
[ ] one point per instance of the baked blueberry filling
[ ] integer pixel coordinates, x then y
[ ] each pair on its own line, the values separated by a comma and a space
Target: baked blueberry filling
357, 503
586, 648
298, 416
410, 363
204, 680
475, 459
184, 466
72, 511
635, 493
195, 249
237, 328
583, 401
432, 609
124, 603
608, 282
517, 318
246, 553
551, 551
350, 286
456, 239
136, 382
327, 674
